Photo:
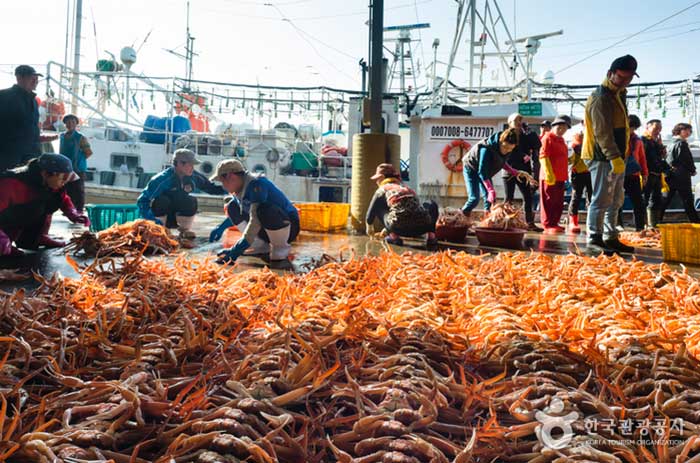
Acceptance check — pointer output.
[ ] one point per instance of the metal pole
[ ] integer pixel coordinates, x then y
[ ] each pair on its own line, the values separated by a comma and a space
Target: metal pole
171, 116
436, 44
403, 68
510, 37
413, 68
529, 72
323, 111
461, 23
376, 91
695, 109
65, 52
363, 65
471, 47
76, 56
128, 90
189, 51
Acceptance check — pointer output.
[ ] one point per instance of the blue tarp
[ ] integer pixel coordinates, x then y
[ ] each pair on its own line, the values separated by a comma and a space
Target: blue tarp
155, 127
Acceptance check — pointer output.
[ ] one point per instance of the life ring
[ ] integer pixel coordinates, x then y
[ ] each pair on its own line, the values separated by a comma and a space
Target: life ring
455, 166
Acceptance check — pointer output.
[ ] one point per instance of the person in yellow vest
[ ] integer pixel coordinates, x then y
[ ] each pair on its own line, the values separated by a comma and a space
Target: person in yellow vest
606, 141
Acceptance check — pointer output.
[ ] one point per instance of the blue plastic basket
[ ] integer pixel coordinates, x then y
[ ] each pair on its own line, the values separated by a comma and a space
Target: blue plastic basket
105, 215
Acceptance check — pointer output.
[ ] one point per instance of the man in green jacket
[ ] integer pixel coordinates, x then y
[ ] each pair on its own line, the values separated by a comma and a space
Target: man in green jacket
605, 148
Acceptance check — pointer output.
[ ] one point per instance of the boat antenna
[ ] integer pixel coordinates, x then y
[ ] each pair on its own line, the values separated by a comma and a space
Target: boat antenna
189, 49
144, 41
94, 33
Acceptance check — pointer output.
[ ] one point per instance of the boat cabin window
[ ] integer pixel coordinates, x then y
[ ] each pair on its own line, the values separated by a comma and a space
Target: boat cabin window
330, 194
131, 161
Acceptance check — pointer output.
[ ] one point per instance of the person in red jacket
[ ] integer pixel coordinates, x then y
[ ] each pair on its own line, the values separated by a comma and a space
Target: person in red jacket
29, 196
636, 175
554, 164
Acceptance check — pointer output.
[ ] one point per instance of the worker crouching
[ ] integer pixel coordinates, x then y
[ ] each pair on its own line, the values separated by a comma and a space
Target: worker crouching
168, 200
482, 162
261, 211
29, 196
398, 209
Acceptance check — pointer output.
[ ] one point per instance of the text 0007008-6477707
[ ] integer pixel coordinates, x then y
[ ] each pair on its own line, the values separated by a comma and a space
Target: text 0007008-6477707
473, 132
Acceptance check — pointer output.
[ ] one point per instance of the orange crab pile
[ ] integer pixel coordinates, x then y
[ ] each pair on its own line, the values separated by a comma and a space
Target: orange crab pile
649, 238
139, 236
410, 358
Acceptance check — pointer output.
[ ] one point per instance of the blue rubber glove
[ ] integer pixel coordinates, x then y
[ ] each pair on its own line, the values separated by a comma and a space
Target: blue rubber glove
149, 216
218, 232
229, 256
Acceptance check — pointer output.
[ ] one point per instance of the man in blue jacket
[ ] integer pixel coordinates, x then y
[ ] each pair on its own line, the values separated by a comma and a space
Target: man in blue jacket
168, 200
268, 220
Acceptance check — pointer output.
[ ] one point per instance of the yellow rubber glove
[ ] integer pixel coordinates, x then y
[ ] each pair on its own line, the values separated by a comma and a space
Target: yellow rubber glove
549, 177
618, 166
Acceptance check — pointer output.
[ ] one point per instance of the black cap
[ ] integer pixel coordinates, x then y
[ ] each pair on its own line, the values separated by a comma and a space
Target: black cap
546, 124
26, 70
625, 63
55, 163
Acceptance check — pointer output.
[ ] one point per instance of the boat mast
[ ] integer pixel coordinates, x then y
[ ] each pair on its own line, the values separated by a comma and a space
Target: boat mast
65, 51
461, 23
189, 49
75, 88
472, 21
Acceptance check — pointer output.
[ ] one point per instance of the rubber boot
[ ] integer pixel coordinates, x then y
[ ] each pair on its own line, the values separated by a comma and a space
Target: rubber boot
651, 218
44, 238
184, 225
431, 241
614, 244
395, 239
574, 227
596, 242
259, 247
279, 247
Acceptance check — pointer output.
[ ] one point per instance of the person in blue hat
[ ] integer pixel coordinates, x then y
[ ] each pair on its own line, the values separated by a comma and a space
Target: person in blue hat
29, 196
168, 200
261, 211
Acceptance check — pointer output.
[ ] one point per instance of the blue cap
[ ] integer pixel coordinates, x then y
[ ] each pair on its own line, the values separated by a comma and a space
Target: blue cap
55, 163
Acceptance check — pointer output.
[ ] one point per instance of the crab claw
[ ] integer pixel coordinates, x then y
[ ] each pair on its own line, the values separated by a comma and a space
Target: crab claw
343, 457
465, 456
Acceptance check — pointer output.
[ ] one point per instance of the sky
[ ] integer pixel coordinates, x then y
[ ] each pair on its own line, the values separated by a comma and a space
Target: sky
319, 42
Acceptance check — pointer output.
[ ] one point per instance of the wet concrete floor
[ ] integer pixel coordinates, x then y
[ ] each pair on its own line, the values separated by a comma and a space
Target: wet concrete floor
307, 250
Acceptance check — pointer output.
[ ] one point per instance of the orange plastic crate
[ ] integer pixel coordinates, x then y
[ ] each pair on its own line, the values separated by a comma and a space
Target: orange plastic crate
323, 217
680, 242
